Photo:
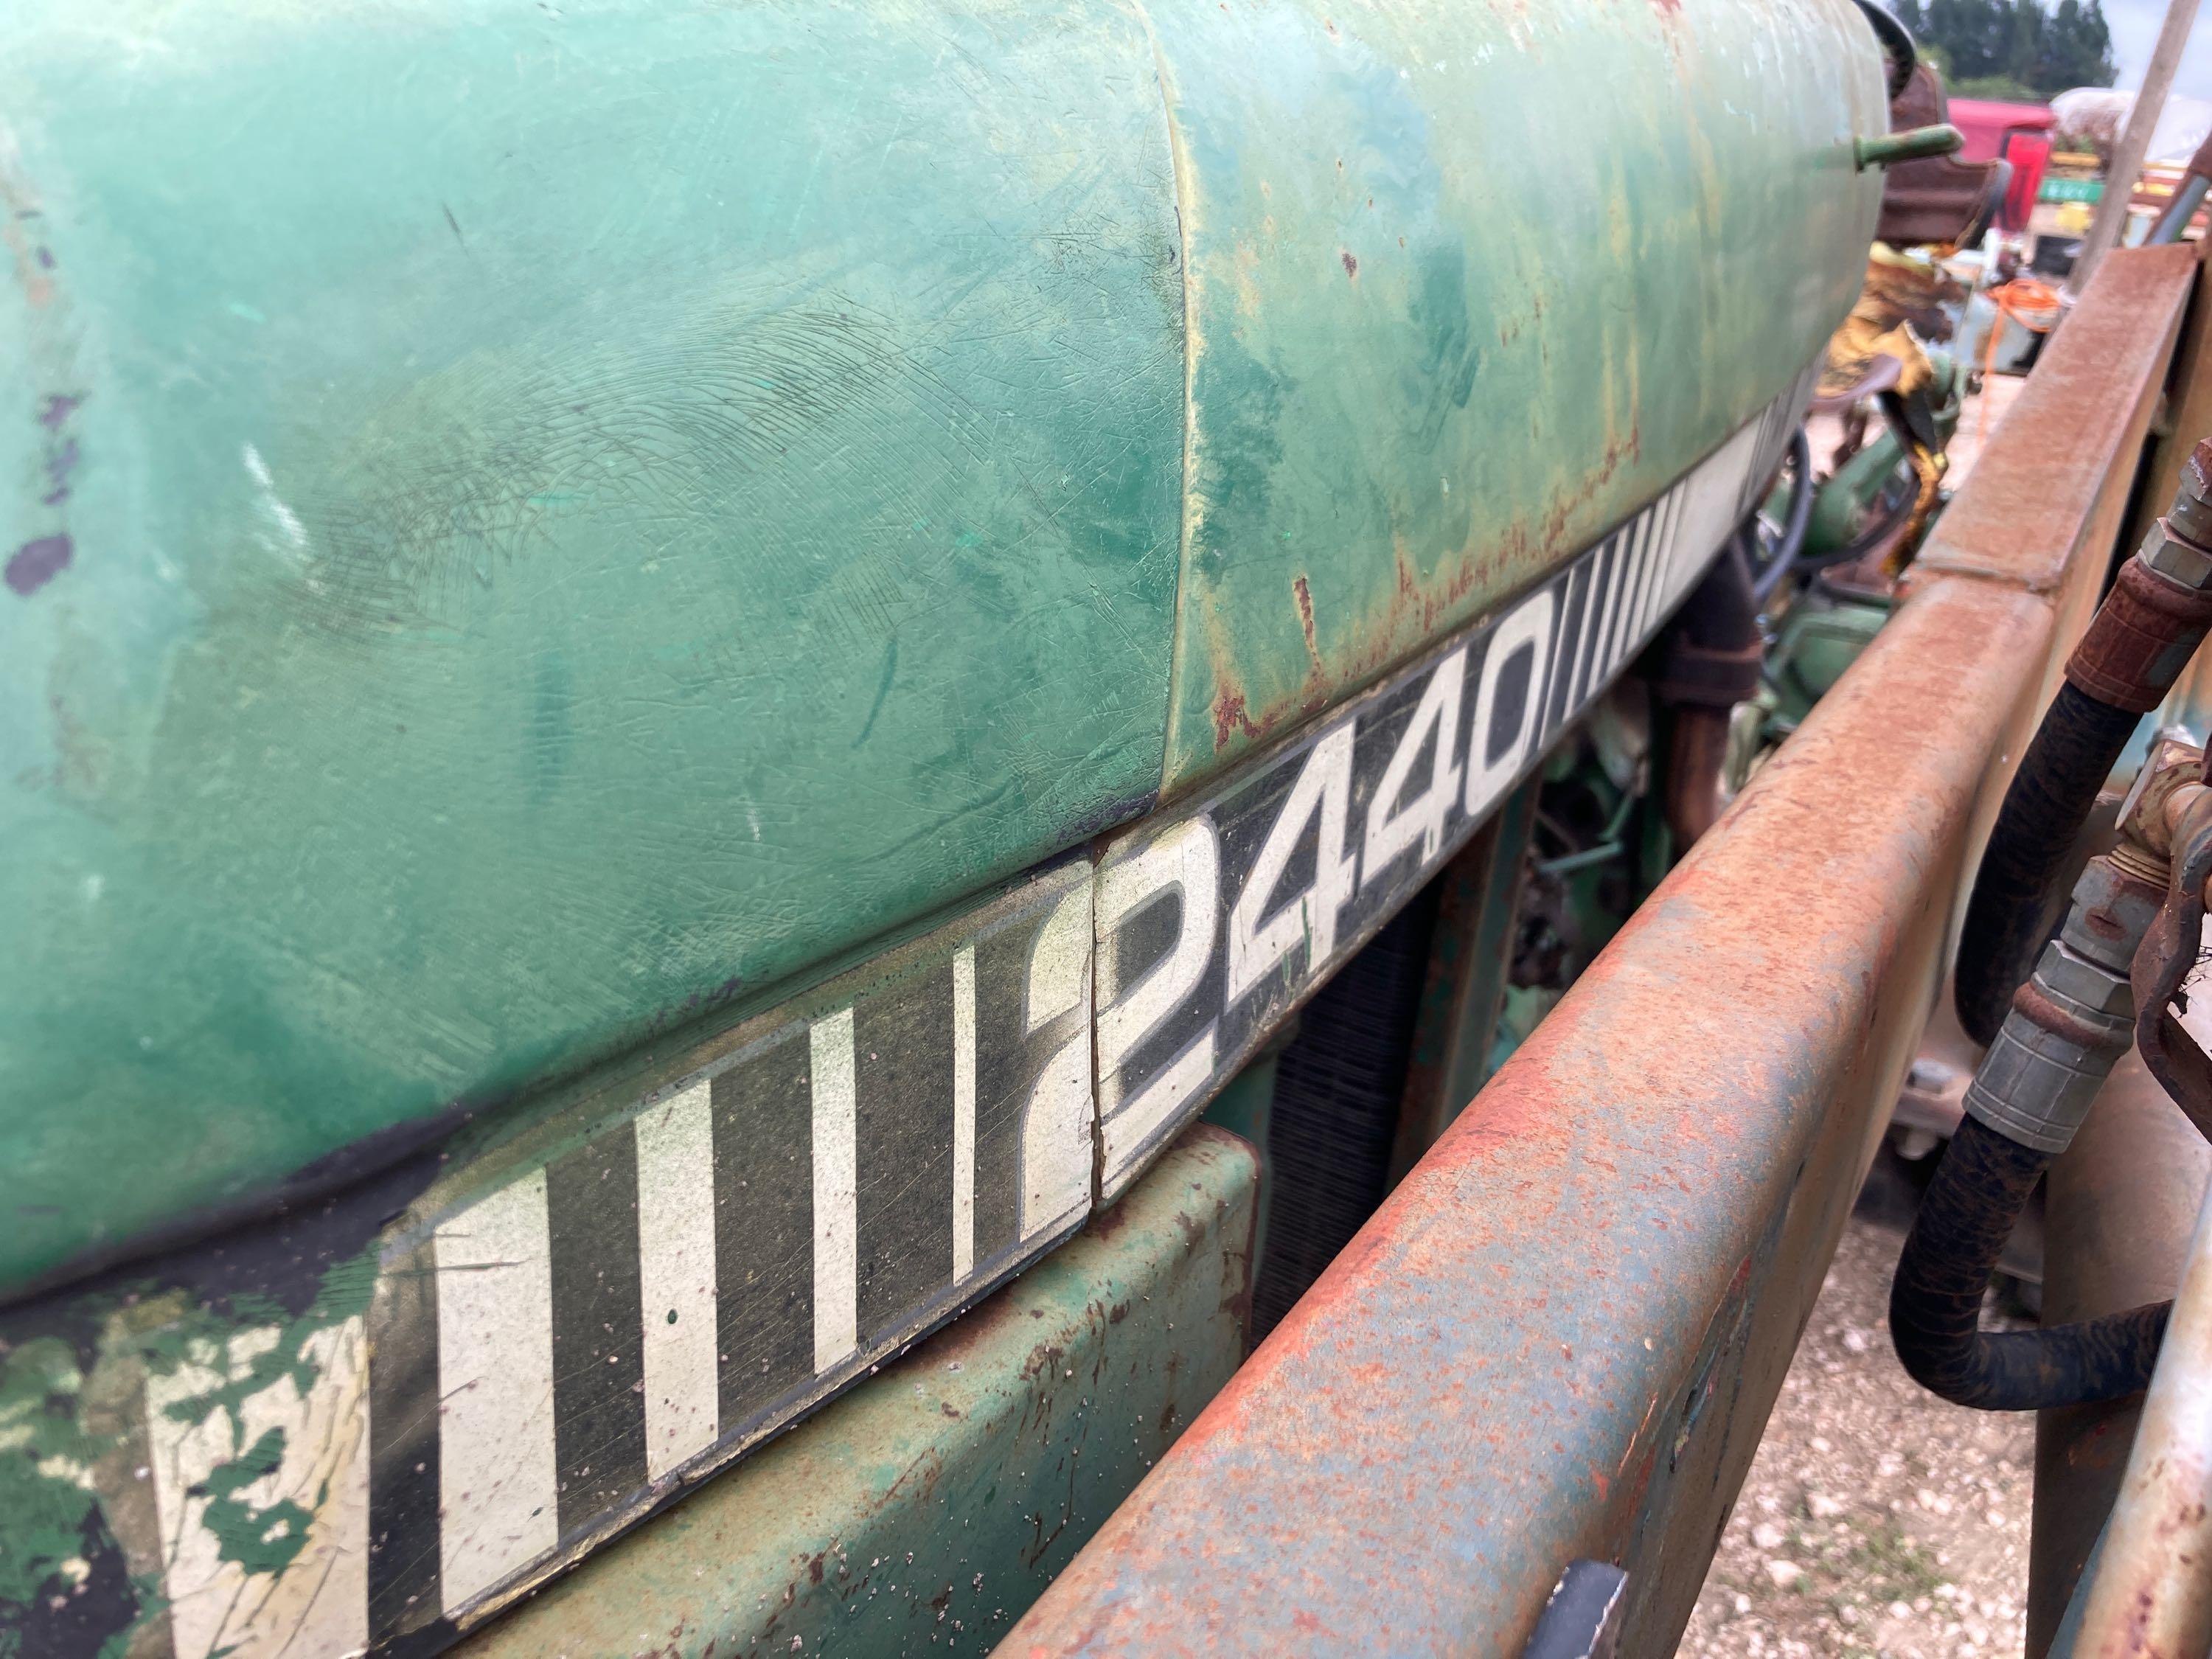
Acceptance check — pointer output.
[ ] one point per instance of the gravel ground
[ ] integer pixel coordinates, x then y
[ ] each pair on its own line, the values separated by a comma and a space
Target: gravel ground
1877, 1519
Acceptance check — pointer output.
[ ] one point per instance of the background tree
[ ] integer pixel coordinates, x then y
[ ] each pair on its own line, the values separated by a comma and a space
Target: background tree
2014, 49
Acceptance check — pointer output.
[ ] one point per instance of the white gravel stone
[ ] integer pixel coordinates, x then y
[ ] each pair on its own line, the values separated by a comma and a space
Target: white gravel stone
1847, 1457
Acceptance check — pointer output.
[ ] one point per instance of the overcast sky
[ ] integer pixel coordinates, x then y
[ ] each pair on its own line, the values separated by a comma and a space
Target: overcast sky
2135, 30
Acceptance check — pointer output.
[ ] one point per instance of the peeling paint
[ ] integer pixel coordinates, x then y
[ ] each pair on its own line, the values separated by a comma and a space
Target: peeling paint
1557, 394
37, 562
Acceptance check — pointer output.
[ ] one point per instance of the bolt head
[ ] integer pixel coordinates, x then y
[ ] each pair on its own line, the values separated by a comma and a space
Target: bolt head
2065, 977
2175, 559
2196, 471
2110, 912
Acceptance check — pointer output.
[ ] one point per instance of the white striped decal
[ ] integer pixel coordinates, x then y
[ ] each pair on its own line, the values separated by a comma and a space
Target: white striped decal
1599, 653
551, 1360
1056, 1149
836, 1191
1169, 1037
676, 1277
1659, 598
498, 1486
963, 1112
1652, 556
277, 1456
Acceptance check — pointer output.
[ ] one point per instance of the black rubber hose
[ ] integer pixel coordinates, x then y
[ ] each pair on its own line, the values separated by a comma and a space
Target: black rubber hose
1936, 1300
2020, 887
1784, 557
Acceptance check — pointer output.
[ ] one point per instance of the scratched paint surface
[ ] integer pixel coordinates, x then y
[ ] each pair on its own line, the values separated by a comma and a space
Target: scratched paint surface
374, 1423
573, 1314
1467, 283
523, 524
526, 526
620, 540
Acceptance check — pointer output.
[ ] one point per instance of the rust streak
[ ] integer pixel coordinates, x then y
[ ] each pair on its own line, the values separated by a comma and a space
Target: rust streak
1304, 596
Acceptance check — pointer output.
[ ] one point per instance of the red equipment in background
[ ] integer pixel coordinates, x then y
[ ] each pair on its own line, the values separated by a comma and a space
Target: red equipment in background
2018, 133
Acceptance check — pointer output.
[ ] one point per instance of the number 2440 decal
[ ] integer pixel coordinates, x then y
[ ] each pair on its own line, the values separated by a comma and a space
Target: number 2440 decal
1211, 923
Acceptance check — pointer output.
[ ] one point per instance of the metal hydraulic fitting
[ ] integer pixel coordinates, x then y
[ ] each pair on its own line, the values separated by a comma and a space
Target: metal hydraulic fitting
2165, 786
2190, 514
2074, 1017
2173, 556
2158, 611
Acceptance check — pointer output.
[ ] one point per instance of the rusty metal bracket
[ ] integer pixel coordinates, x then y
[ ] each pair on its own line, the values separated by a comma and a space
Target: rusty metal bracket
2163, 962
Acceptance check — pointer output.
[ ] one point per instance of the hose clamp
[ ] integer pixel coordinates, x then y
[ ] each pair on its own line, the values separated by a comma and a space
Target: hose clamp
2067, 1026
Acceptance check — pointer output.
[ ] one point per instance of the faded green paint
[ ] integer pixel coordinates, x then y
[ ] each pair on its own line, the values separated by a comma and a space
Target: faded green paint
574, 513
1246, 1109
46, 1458
81, 1552
528, 525
1819, 641
1467, 285
261, 1539
928, 1508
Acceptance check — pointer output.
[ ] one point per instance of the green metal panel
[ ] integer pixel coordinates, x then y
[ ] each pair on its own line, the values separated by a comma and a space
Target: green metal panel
383, 1417
1467, 284
526, 526
376, 1422
524, 522
926, 1510
1246, 1107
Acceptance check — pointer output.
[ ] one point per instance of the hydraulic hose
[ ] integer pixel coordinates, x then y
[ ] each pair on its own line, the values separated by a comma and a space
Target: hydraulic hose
1935, 1301
2012, 911
2067, 1026
2141, 637
1784, 557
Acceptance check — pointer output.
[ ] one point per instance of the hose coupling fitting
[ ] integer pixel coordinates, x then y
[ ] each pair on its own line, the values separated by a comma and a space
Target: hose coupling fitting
2073, 1019
2160, 606
2190, 515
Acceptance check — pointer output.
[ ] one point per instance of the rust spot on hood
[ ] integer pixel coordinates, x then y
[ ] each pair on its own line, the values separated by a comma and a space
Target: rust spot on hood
1229, 718
1303, 594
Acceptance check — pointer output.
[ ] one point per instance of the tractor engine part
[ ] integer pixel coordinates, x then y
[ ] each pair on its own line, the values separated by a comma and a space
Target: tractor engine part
1711, 664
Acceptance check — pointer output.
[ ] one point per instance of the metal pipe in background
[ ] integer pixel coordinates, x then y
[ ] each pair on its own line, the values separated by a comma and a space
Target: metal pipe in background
2119, 1207
2188, 197
2149, 1592
2127, 165
1712, 662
